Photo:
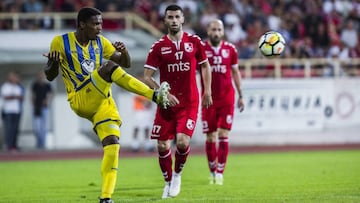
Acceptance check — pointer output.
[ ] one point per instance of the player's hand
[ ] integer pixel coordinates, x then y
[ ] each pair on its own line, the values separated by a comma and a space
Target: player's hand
173, 101
241, 105
120, 47
53, 56
206, 100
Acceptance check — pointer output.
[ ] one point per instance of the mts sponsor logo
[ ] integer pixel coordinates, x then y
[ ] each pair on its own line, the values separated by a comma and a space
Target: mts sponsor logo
218, 68
179, 67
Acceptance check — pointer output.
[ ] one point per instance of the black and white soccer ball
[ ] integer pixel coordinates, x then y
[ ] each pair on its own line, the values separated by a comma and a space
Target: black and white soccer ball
272, 44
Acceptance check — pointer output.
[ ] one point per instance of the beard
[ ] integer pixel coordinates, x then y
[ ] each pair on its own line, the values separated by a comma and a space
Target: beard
174, 30
215, 41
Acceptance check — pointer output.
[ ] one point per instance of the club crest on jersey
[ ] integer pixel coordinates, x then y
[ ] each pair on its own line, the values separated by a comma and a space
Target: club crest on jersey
188, 47
165, 50
190, 124
225, 53
88, 65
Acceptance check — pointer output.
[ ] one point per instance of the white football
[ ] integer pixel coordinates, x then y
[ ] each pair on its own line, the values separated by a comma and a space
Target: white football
271, 44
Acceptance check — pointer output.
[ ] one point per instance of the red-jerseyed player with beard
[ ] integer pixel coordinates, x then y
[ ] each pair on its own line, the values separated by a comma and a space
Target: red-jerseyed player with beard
176, 56
217, 119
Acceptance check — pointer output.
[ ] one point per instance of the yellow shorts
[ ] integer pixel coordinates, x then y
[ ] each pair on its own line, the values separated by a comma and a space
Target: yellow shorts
93, 101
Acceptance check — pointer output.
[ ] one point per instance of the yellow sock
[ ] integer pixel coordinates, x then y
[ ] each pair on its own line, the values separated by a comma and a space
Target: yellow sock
128, 82
109, 167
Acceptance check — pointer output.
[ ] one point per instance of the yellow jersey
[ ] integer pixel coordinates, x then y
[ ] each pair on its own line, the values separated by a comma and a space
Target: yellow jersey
77, 61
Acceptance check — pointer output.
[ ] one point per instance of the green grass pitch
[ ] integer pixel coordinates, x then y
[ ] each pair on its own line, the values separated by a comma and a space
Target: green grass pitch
326, 176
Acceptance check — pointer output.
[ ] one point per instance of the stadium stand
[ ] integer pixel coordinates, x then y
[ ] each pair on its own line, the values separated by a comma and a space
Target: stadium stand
312, 29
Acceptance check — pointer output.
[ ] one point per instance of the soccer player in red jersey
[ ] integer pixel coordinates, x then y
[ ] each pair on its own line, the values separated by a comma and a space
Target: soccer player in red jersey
217, 119
176, 56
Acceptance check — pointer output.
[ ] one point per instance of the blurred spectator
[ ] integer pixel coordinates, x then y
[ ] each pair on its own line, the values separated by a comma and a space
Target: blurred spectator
321, 40
162, 6
32, 6
304, 48
246, 50
339, 52
313, 19
340, 6
274, 19
41, 94
155, 19
349, 35
207, 14
191, 5
284, 31
67, 6
47, 22
102, 5
296, 26
143, 8
12, 93
232, 27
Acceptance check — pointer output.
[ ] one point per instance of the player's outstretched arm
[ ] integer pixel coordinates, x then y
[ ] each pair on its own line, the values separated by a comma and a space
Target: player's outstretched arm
52, 66
150, 81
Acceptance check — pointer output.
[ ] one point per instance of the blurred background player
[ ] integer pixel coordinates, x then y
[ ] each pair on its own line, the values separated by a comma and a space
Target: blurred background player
176, 56
143, 115
88, 79
217, 119
41, 94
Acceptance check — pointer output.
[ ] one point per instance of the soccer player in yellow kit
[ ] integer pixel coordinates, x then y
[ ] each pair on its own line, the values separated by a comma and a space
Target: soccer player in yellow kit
88, 78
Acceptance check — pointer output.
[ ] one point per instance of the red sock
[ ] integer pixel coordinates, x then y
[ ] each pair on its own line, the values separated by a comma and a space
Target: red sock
222, 153
210, 148
165, 161
180, 158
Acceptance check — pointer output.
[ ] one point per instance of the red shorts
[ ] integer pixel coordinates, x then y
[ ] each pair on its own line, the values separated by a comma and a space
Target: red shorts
169, 122
217, 117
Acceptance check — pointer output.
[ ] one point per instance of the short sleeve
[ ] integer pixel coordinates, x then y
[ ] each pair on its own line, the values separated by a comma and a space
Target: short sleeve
152, 60
108, 48
201, 54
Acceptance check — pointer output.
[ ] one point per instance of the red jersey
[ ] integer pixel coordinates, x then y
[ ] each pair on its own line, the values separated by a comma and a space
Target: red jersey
177, 62
222, 59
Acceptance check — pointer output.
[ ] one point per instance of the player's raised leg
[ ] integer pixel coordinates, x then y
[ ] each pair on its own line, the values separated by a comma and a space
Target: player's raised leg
112, 72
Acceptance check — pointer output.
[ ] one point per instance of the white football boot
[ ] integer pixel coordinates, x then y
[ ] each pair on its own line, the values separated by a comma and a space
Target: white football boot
166, 190
175, 184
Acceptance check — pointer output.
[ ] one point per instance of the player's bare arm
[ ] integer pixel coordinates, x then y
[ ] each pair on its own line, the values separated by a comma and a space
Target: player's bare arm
52, 66
237, 81
206, 100
150, 81
121, 55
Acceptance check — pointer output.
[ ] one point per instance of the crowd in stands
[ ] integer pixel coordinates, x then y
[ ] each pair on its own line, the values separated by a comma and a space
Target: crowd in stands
312, 29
